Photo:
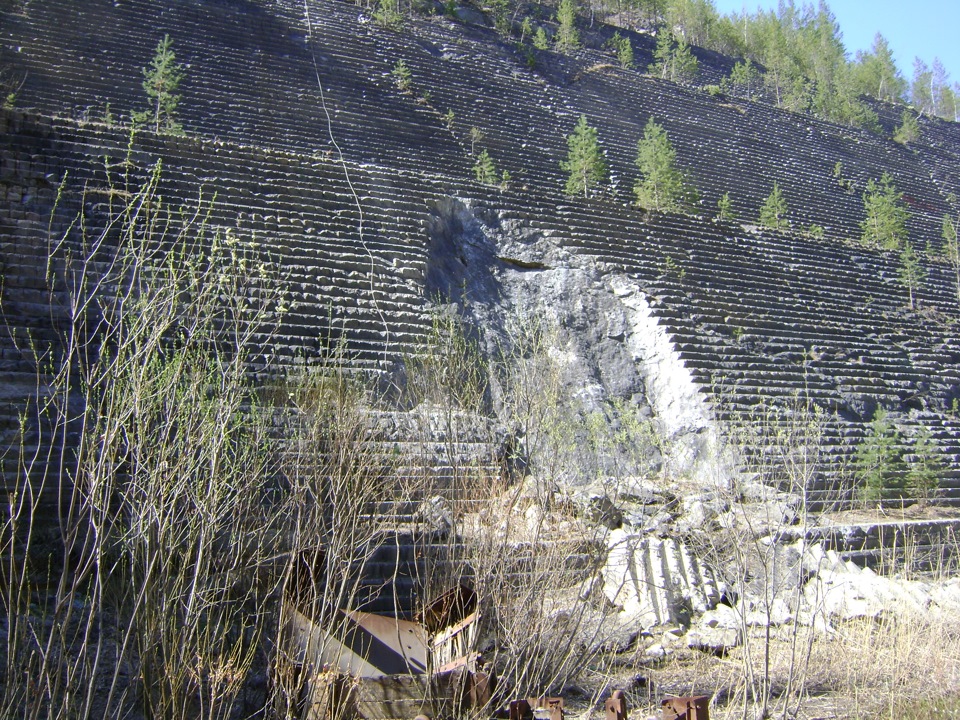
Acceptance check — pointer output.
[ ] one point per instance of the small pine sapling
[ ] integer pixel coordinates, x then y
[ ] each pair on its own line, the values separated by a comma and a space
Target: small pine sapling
585, 164
773, 212
526, 30
161, 80
501, 15
661, 187
885, 225
878, 462
909, 130
923, 474
388, 15
843, 182
540, 39
911, 272
951, 249
484, 169
725, 211
673, 59
567, 39
742, 78
402, 77
622, 49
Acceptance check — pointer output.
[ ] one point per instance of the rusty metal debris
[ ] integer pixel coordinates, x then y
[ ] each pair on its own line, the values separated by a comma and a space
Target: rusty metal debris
615, 708
695, 707
354, 665
538, 708
361, 665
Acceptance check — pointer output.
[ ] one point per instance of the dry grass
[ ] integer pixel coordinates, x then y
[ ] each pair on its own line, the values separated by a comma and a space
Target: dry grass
887, 668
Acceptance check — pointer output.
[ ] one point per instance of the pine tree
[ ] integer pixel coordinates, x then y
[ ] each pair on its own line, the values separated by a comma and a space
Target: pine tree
673, 59
909, 130
920, 88
878, 462
661, 186
485, 170
402, 77
585, 163
951, 248
951, 103
526, 29
923, 475
912, 273
743, 79
540, 39
622, 49
725, 208
162, 78
388, 14
876, 74
773, 212
567, 36
886, 223
501, 15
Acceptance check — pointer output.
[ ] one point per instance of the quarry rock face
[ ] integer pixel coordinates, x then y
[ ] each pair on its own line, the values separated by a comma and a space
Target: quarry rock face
365, 193
718, 339
610, 341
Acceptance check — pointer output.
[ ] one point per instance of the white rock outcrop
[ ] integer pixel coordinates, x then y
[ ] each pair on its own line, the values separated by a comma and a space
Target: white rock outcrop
656, 581
840, 590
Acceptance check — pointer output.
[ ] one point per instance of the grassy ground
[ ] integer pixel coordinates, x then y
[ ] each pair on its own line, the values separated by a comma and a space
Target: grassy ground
889, 668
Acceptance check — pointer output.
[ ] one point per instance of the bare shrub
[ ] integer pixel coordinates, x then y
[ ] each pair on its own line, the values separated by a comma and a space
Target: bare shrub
777, 450
146, 451
517, 539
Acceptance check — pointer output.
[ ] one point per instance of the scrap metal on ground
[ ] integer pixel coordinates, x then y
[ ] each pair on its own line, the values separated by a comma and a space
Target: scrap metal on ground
354, 665
358, 665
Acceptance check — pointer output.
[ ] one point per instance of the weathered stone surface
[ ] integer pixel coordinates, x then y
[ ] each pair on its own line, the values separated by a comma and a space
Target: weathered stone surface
656, 581
601, 510
692, 325
718, 639
700, 512
435, 514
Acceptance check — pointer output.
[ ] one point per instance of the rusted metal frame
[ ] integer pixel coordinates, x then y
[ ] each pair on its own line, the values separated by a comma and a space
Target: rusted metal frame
377, 666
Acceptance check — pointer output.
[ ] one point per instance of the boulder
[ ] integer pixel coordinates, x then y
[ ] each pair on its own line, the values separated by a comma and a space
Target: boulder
601, 510
435, 514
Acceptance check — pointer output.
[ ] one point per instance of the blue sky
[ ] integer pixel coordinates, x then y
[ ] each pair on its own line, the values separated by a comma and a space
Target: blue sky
917, 28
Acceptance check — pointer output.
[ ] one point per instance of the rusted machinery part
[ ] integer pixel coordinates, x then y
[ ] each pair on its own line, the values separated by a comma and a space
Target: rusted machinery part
694, 707
540, 708
615, 708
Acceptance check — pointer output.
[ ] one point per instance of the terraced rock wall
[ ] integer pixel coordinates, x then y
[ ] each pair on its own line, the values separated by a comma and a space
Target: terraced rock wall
278, 93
